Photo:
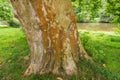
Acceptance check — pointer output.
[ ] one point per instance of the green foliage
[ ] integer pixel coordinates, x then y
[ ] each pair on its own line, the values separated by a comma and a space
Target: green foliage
113, 8
97, 10
86, 10
5, 10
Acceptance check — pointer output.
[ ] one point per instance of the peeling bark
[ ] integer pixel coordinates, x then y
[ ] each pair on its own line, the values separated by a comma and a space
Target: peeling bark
51, 31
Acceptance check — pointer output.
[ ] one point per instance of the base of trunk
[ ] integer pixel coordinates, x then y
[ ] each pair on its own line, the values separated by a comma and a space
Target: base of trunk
68, 67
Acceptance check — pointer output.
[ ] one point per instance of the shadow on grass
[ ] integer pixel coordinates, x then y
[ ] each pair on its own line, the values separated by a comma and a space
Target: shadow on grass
4, 27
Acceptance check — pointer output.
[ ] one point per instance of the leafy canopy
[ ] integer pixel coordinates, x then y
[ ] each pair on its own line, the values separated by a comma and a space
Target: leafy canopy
5, 10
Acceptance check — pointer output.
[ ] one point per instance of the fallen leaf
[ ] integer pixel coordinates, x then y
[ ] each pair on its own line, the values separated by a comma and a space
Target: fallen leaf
104, 65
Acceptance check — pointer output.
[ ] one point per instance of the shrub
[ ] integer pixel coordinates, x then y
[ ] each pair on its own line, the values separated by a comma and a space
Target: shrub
5, 10
14, 23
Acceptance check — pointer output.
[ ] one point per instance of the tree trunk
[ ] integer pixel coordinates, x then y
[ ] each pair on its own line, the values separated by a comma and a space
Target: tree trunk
51, 31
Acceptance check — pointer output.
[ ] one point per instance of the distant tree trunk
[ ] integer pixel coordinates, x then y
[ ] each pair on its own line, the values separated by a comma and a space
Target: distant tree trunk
51, 31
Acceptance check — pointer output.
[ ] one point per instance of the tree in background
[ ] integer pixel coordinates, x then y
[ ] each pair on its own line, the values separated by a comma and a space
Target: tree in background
5, 10
6, 14
113, 8
87, 10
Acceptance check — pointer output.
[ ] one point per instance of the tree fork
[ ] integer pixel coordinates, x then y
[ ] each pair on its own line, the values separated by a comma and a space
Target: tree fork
51, 31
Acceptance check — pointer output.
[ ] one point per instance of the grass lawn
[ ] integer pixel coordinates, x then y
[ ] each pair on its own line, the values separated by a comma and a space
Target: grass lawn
104, 48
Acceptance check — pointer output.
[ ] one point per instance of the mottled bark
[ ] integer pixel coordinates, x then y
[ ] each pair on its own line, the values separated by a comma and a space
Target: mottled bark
51, 31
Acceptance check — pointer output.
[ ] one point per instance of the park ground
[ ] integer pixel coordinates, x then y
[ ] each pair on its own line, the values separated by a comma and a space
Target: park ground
103, 47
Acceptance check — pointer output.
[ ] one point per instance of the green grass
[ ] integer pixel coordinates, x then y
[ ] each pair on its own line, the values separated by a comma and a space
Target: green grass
102, 47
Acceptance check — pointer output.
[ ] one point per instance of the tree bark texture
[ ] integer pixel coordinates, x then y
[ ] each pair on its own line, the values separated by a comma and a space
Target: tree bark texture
51, 31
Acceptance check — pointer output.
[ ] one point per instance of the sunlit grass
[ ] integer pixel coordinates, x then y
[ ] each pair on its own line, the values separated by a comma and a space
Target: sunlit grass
103, 48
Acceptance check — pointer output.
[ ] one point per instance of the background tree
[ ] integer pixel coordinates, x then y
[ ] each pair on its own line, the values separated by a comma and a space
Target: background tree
87, 10
113, 9
5, 10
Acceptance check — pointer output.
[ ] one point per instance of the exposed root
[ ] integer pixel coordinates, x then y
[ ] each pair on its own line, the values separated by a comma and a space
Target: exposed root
84, 53
28, 71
